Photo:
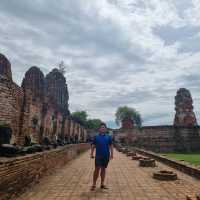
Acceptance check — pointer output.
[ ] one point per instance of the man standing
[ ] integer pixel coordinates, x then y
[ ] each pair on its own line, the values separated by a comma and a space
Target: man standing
104, 152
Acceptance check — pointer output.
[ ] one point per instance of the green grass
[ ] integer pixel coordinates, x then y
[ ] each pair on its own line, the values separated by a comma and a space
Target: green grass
192, 158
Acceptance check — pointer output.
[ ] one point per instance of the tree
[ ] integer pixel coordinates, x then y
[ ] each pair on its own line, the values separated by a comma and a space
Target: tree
80, 117
62, 67
93, 123
125, 112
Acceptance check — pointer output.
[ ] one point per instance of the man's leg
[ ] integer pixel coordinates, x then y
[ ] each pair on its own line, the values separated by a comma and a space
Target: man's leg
103, 175
96, 175
103, 172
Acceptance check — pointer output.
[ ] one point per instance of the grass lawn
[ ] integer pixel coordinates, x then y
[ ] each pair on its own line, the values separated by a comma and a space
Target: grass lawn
192, 158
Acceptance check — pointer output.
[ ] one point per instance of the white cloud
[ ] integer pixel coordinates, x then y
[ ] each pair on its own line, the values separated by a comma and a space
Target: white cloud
133, 52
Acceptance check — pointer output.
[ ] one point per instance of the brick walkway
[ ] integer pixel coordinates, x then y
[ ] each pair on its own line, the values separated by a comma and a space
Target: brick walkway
126, 180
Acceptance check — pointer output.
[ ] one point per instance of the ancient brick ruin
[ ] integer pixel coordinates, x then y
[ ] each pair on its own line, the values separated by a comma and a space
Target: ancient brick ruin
183, 135
39, 108
5, 69
127, 124
184, 109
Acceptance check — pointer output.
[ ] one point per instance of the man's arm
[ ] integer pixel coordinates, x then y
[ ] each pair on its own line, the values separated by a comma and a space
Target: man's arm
111, 151
93, 146
92, 150
111, 147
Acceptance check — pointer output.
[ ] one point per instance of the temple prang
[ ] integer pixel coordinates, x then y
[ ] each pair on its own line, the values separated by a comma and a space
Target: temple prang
5, 67
185, 115
56, 89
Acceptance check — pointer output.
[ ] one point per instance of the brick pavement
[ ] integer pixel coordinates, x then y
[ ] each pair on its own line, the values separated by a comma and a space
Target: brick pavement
126, 181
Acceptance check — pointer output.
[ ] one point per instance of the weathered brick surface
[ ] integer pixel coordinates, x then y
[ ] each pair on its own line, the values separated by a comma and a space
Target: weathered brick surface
125, 179
163, 138
5, 67
39, 108
11, 101
127, 124
185, 115
33, 87
31, 110
18, 173
56, 89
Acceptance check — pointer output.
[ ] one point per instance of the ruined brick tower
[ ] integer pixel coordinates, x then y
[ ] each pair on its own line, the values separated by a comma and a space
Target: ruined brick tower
11, 99
34, 82
56, 89
5, 67
127, 124
33, 87
185, 115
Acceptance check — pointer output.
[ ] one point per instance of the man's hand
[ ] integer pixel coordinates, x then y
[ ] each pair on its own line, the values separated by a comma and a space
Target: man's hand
111, 152
111, 157
92, 151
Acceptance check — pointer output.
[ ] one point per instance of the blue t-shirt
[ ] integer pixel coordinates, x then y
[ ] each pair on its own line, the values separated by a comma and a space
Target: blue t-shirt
102, 143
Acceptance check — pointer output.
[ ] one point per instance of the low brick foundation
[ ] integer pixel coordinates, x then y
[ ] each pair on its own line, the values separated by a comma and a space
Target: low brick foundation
185, 168
18, 173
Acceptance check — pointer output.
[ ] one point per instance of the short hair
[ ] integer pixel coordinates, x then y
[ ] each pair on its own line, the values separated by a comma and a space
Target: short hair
103, 124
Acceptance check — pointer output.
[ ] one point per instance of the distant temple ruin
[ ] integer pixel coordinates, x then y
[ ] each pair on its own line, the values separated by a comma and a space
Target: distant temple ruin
183, 135
39, 108
184, 109
127, 124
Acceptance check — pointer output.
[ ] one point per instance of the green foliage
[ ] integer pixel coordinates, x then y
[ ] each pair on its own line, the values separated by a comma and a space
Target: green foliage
126, 112
62, 67
93, 123
80, 117
4, 125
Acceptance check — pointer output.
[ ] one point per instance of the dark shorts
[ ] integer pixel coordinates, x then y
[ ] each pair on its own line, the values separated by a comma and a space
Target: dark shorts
101, 161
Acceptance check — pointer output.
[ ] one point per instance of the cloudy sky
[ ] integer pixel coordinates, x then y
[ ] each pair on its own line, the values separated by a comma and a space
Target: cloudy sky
118, 52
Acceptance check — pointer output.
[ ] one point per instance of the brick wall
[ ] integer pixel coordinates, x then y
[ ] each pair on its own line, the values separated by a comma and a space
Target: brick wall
162, 138
19, 173
18, 110
32, 108
11, 100
157, 138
